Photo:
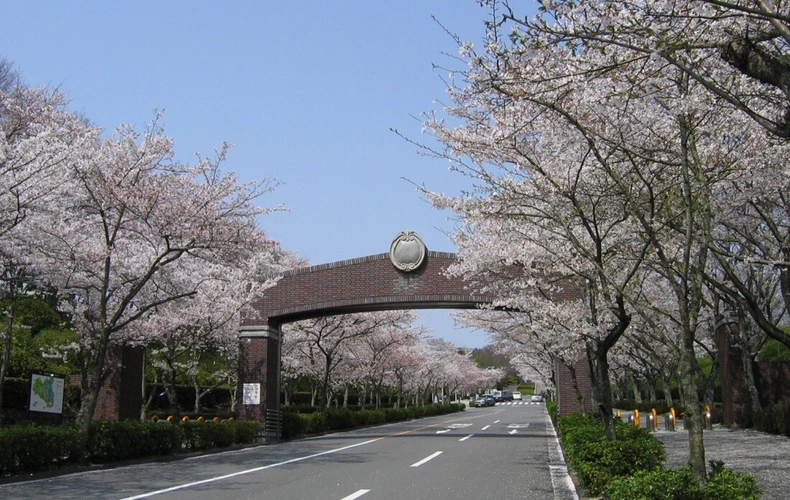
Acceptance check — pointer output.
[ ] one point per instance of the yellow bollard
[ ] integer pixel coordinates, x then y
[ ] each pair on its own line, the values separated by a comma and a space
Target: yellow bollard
637, 422
655, 419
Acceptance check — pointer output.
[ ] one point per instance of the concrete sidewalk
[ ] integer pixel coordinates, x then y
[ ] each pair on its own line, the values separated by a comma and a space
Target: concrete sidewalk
765, 457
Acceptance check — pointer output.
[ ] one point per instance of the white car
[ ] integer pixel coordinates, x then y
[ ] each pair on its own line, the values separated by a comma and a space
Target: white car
517, 396
537, 398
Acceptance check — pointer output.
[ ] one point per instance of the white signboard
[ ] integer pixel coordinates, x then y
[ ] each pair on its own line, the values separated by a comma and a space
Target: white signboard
251, 394
46, 393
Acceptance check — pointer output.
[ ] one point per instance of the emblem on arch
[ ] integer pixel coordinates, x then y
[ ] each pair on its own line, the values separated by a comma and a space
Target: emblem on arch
407, 251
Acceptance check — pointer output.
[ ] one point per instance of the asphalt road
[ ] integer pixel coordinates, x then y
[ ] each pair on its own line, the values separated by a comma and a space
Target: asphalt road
503, 452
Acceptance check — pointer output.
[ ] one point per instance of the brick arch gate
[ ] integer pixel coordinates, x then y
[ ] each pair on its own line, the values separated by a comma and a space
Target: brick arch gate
373, 283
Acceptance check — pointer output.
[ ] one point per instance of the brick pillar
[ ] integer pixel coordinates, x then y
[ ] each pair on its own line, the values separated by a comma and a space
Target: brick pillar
567, 400
120, 397
259, 371
734, 395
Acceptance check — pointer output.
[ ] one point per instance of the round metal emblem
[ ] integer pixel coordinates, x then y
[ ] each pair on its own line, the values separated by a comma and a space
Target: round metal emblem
407, 251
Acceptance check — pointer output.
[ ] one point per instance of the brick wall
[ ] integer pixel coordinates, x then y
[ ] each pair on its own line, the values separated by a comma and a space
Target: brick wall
370, 283
120, 397
735, 397
253, 369
771, 378
364, 284
567, 397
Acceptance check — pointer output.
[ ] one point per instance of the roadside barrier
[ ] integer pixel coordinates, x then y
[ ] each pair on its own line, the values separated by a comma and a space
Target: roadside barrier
707, 418
670, 420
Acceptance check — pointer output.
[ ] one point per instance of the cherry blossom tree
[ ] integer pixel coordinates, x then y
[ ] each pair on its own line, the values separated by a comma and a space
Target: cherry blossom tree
600, 164
126, 223
37, 139
179, 333
735, 50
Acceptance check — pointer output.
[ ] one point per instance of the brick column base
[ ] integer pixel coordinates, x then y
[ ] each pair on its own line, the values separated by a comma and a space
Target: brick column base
259, 372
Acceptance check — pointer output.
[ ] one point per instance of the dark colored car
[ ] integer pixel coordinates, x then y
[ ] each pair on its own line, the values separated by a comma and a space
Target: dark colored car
485, 400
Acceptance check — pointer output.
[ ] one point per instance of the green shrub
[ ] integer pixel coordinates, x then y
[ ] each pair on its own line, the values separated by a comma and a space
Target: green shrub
31, 448
315, 423
728, 484
166, 437
202, 435
245, 431
110, 441
774, 419
395, 414
598, 460
680, 484
553, 409
605, 460
292, 425
658, 484
339, 418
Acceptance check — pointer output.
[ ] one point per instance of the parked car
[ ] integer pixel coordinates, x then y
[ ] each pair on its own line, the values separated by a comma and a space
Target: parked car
485, 400
536, 398
517, 396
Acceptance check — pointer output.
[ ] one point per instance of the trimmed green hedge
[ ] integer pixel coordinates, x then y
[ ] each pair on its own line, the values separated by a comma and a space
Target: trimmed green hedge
598, 460
32, 448
631, 467
680, 484
774, 419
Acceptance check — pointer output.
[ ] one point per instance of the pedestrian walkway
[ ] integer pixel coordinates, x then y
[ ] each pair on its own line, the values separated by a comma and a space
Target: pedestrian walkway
765, 457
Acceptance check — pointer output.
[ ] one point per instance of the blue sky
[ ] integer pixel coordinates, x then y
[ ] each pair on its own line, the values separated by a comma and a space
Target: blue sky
307, 92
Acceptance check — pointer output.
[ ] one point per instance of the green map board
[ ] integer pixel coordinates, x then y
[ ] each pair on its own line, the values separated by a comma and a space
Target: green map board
46, 393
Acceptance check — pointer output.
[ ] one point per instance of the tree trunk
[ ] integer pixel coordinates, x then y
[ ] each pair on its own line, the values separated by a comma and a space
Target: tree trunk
693, 413
602, 390
651, 389
667, 390
5, 359
92, 379
635, 389
748, 367
147, 400
8, 335
575, 385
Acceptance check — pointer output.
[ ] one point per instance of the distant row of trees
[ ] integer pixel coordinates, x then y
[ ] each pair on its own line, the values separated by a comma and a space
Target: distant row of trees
376, 356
